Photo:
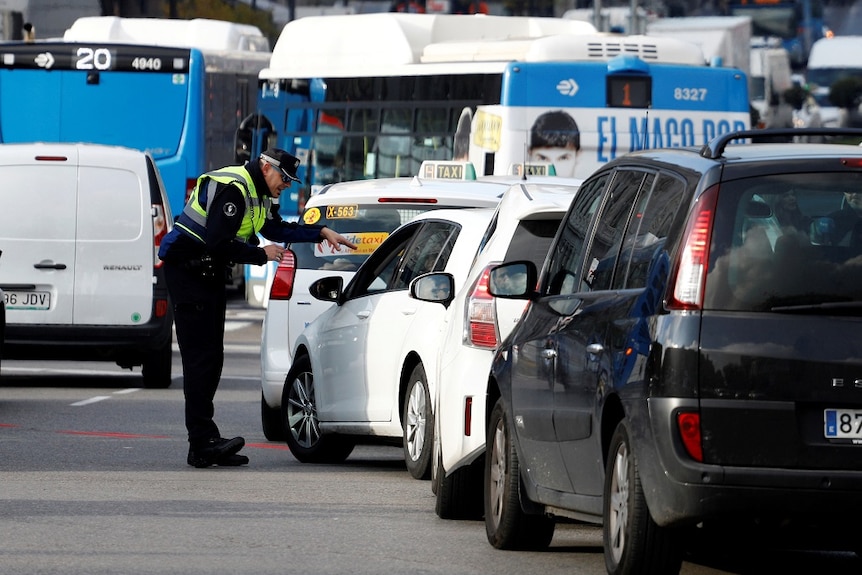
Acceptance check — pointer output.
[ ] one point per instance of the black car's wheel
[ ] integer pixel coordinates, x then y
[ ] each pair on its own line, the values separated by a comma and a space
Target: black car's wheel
459, 494
301, 426
417, 421
506, 524
271, 421
633, 542
156, 368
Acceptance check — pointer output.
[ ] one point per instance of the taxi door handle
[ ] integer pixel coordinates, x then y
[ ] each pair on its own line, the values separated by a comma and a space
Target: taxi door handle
49, 265
363, 314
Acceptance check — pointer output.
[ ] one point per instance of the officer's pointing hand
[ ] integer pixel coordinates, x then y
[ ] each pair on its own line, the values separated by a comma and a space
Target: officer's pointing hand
334, 239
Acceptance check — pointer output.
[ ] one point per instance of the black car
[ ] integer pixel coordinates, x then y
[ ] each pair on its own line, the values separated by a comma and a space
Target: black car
690, 356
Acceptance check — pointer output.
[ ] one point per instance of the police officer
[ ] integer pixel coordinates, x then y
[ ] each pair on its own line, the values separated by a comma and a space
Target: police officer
218, 227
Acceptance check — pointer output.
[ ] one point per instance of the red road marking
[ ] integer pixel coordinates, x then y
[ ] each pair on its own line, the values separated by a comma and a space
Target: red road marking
115, 435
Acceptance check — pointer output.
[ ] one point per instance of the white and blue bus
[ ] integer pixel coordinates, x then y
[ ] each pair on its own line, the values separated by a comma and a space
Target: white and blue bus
375, 95
178, 89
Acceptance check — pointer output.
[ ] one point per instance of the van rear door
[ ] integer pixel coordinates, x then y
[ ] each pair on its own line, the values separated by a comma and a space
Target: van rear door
37, 232
114, 253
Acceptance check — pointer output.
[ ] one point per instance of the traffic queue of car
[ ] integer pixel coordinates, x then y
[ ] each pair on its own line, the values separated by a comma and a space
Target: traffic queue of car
672, 346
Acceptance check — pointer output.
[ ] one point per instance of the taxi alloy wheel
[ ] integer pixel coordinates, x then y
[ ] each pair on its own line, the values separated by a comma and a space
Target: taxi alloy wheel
302, 427
300, 410
418, 425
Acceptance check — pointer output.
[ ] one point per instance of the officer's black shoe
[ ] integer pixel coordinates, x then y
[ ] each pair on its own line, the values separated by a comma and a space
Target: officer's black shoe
234, 460
206, 454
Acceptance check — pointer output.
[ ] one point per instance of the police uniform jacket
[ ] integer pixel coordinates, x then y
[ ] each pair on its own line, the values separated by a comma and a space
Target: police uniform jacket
223, 221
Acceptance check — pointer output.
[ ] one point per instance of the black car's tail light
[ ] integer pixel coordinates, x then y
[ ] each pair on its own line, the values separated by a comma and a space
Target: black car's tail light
282, 283
689, 431
690, 273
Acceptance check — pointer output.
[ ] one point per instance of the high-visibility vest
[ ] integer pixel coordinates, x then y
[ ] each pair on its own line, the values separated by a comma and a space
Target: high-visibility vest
193, 219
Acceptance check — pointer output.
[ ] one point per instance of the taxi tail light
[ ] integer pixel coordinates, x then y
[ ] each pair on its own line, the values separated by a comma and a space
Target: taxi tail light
481, 317
285, 273
688, 424
160, 230
689, 275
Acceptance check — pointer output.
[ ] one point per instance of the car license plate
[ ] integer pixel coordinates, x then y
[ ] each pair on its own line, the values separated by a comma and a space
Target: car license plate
27, 299
843, 424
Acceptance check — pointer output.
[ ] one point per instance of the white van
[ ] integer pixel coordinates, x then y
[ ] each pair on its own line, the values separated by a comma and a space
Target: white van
832, 59
79, 233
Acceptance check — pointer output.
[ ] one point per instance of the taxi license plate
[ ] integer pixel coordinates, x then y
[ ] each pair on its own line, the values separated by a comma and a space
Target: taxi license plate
842, 423
27, 299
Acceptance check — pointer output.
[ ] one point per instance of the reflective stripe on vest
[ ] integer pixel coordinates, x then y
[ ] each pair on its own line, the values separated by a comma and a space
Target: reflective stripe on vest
193, 219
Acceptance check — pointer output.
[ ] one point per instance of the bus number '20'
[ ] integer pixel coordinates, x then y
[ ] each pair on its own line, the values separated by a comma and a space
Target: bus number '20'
89, 59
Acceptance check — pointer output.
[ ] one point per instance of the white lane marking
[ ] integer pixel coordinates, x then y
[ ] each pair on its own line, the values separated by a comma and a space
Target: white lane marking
91, 400
129, 390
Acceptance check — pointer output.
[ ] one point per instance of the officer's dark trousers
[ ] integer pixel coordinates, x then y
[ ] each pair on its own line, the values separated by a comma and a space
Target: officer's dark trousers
199, 313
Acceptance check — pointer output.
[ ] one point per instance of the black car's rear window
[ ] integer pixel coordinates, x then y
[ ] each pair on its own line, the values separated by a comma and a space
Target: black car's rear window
786, 241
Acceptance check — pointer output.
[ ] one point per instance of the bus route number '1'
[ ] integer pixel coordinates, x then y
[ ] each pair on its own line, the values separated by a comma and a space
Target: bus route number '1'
89, 59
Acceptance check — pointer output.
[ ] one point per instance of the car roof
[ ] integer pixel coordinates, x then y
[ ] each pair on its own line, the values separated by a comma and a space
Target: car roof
412, 189
527, 198
466, 217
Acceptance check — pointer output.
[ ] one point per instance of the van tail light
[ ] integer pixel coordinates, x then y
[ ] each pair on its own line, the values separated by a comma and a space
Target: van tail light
160, 230
689, 277
688, 424
282, 284
481, 317
161, 307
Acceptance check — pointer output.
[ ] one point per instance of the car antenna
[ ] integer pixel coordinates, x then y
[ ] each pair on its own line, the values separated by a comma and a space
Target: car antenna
646, 128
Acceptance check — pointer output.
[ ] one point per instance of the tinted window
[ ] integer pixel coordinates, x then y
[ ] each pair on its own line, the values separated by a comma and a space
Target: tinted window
532, 240
429, 252
611, 226
564, 267
648, 230
785, 241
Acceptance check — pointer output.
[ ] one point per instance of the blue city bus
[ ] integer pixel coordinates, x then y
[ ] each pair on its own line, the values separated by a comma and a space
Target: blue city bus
181, 104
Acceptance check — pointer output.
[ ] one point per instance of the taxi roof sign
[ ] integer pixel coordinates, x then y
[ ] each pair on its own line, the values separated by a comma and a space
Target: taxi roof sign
533, 169
447, 170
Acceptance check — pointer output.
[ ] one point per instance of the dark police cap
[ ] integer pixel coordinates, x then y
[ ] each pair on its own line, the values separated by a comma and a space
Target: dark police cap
286, 163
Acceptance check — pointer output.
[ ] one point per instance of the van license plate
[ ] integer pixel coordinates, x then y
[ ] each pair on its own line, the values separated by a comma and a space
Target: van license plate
27, 299
842, 423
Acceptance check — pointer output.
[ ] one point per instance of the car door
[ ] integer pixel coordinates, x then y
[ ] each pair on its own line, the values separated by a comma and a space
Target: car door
355, 344
342, 338
37, 271
582, 366
428, 251
114, 255
534, 345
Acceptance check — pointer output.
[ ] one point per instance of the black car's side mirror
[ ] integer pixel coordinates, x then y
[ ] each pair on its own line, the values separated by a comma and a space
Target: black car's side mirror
513, 280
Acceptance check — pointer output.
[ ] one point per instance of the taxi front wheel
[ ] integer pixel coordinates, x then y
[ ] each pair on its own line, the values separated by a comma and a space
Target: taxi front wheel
302, 428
